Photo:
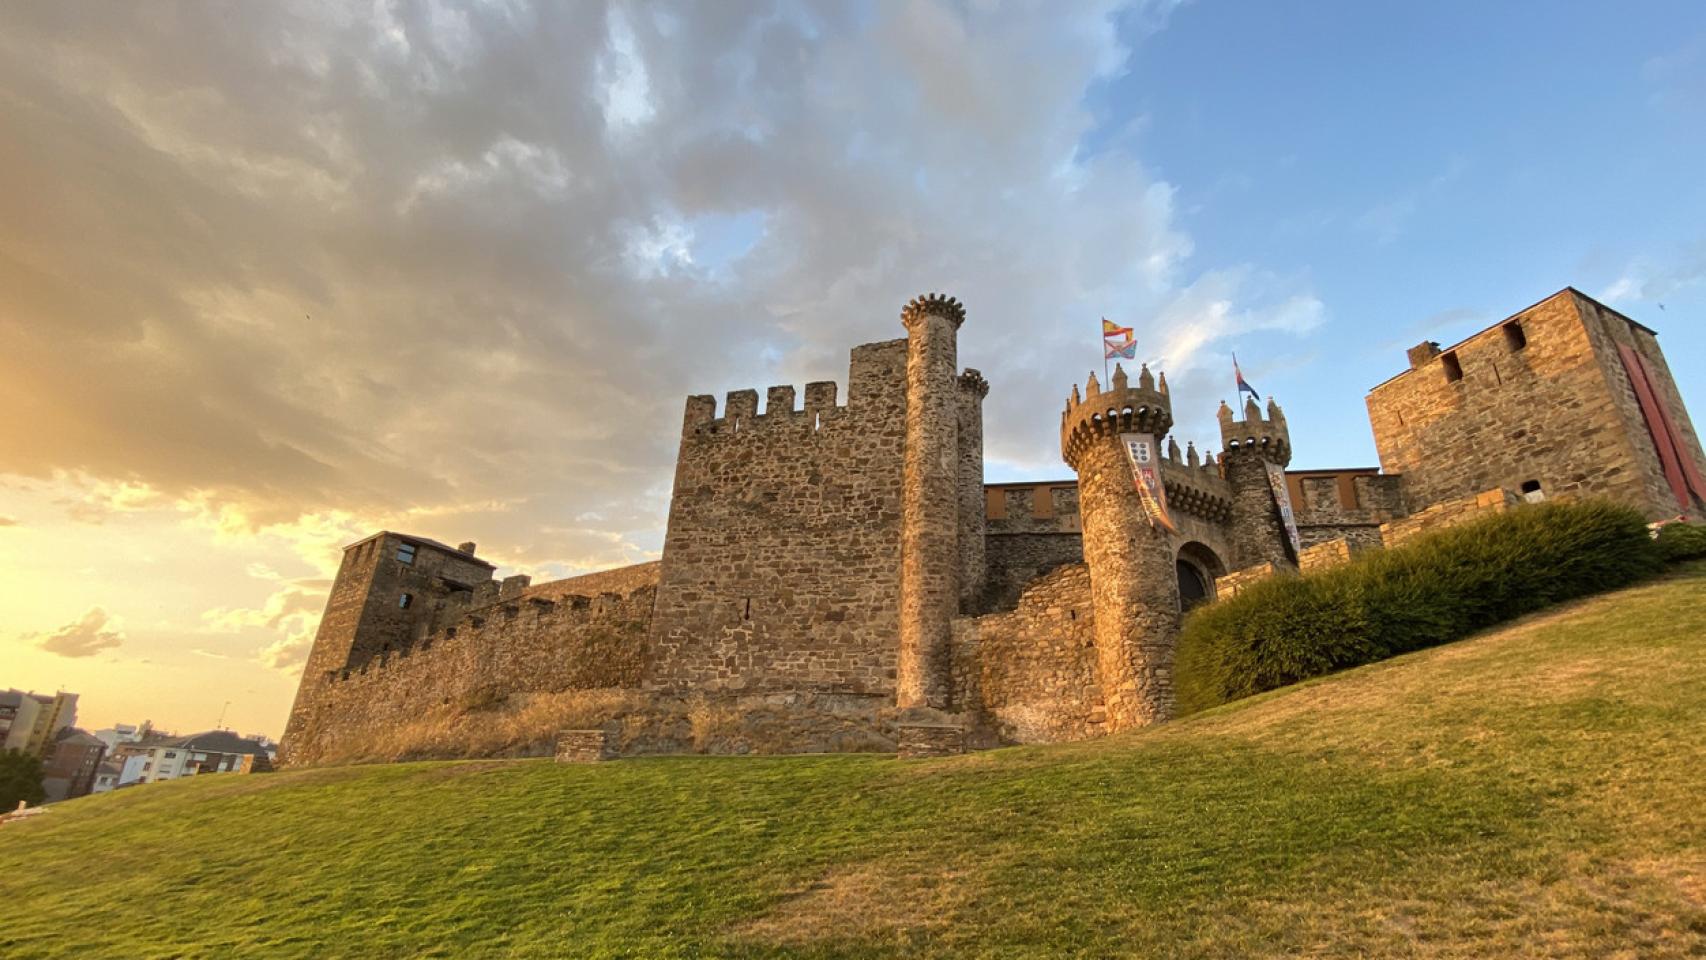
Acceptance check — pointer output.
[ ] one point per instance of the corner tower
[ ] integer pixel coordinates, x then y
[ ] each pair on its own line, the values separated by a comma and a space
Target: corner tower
1133, 585
930, 512
1254, 452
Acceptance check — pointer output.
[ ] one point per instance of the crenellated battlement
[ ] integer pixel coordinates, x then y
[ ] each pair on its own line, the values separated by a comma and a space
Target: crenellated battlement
1100, 413
972, 381
741, 414
1269, 434
936, 305
873, 380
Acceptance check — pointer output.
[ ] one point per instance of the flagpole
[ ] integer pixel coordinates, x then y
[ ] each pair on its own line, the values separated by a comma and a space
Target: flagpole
1103, 340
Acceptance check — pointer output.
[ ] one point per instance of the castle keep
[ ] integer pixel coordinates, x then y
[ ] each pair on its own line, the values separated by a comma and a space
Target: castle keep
837, 575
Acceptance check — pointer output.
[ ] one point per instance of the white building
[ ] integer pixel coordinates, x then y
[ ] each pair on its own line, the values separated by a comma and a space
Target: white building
169, 758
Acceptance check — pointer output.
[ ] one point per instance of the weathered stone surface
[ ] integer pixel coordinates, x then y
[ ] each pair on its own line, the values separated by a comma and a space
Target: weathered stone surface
920, 740
1448, 513
584, 746
930, 560
833, 573
1029, 675
1540, 398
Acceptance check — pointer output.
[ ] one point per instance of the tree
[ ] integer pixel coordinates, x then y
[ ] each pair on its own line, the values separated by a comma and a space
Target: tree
20, 779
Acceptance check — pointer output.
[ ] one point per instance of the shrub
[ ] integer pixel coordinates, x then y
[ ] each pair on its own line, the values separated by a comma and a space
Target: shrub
1682, 541
1435, 589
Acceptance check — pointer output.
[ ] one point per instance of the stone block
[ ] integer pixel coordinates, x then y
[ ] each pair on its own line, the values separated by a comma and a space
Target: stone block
919, 740
584, 746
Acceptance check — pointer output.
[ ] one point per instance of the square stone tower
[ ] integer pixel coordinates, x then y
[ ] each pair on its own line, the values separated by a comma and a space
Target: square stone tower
1567, 398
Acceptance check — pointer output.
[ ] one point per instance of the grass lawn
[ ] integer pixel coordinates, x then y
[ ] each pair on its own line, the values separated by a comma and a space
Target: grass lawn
1537, 791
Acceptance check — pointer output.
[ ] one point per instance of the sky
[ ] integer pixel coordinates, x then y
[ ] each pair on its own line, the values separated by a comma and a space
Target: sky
276, 276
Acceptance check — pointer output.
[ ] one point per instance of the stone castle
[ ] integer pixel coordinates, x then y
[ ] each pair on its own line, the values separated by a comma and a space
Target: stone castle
838, 575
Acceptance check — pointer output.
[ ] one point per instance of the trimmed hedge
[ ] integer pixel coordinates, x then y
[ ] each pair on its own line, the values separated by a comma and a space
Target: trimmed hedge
1435, 589
1682, 541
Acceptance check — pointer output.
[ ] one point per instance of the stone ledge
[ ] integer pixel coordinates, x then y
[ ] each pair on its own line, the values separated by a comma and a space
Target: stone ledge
583, 746
931, 740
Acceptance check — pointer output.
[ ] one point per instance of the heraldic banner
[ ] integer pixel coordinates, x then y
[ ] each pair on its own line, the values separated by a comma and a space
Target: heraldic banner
1282, 499
1144, 454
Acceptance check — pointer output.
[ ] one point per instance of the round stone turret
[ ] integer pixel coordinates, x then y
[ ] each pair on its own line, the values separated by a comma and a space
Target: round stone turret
1100, 414
930, 561
1248, 447
1134, 586
1269, 436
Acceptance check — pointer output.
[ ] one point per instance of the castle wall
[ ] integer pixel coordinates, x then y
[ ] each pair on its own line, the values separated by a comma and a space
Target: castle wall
1610, 330
365, 618
515, 646
1448, 513
1541, 397
1030, 529
779, 565
1030, 674
1345, 505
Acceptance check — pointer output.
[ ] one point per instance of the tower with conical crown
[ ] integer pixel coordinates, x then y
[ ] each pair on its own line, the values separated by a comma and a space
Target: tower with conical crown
1248, 448
1133, 584
930, 562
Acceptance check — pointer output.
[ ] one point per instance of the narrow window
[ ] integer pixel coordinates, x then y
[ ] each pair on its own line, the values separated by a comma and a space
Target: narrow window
1531, 491
1453, 369
1515, 339
406, 552
747, 613
405, 600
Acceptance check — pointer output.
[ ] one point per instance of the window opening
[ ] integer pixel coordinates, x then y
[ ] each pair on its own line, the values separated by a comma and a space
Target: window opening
405, 600
1515, 338
406, 552
1453, 369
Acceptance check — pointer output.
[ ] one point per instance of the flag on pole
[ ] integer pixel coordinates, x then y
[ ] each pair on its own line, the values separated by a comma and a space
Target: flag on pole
1243, 385
1117, 341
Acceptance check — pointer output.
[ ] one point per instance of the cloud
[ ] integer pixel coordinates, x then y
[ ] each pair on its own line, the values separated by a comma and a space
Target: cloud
88, 635
6, 521
329, 268
1646, 280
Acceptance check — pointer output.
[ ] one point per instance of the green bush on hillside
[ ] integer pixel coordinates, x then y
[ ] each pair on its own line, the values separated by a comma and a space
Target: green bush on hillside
1435, 589
1682, 541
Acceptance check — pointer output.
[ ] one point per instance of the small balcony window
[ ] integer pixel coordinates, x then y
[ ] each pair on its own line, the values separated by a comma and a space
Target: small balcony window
406, 552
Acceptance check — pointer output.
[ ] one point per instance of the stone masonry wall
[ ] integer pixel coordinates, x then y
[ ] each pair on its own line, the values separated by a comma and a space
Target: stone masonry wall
1448, 513
1030, 673
780, 564
379, 605
1609, 330
930, 503
972, 388
513, 646
1540, 397
1343, 505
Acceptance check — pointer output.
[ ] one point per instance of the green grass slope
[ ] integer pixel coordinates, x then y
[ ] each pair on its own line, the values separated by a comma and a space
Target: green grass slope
1537, 791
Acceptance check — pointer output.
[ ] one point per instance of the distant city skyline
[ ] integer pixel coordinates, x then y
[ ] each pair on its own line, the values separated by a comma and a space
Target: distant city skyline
273, 278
